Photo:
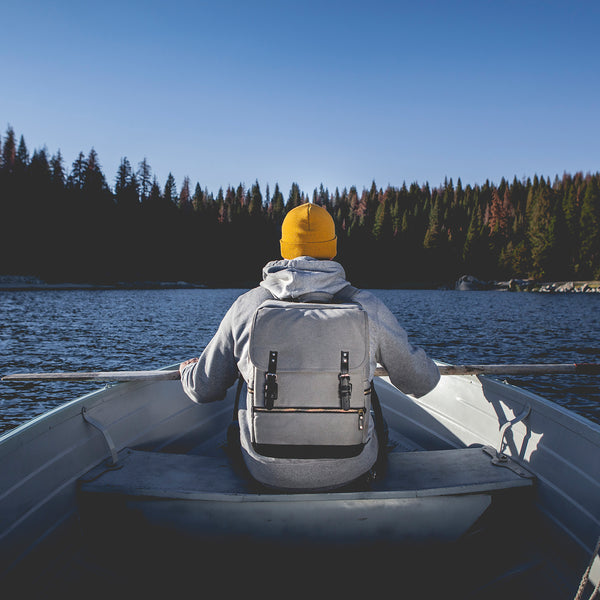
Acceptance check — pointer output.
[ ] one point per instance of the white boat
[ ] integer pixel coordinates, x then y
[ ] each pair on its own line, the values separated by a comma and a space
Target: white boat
489, 492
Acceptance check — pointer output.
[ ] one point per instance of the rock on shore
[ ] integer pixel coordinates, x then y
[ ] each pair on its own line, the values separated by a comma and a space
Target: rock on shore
470, 283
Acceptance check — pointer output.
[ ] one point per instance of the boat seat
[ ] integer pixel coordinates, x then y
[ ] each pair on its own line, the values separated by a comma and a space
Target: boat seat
431, 496
409, 474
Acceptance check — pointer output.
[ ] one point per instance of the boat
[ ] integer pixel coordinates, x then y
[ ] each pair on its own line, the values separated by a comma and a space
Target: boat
486, 491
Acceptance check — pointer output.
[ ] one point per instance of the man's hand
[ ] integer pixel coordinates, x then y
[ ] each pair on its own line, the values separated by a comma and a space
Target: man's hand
185, 363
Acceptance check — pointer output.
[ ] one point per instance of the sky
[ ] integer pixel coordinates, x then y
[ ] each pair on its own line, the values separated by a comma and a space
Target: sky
338, 93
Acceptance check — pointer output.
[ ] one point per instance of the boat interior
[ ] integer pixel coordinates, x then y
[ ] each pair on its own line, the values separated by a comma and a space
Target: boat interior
161, 498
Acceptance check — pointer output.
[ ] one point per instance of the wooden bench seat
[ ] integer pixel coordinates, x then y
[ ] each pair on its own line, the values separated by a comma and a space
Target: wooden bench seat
425, 496
409, 474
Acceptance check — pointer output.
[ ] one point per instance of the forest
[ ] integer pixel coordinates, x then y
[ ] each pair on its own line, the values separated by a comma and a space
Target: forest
63, 223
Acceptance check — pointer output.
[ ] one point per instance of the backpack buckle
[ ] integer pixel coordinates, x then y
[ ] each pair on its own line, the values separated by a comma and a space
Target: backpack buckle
271, 381
345, 390
345, 387
270, 389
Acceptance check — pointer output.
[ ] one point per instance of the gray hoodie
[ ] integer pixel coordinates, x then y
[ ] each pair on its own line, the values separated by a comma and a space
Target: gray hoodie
227, 354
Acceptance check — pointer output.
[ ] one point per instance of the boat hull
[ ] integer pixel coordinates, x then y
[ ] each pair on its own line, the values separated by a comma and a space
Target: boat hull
45, 466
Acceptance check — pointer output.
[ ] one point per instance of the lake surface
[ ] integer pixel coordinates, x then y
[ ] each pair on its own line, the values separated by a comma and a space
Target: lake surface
103, 330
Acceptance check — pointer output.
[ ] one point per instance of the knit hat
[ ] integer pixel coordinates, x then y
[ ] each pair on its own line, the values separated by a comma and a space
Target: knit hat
308, 230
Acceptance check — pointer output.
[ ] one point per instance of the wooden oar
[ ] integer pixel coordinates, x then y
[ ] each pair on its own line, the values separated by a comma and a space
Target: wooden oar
95, 376
531, 369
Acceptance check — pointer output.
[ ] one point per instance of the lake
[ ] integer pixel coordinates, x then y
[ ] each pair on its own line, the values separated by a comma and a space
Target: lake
102, 330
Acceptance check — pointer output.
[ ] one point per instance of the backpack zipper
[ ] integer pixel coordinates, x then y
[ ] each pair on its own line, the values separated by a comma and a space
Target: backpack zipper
360, 412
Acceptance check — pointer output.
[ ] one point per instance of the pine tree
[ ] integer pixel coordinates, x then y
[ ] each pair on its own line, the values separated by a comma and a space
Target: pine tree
185, 196
198, 198
295, 197
590, 229
277, 205
542, 230
39, 169
221, 209
145, 178
123, 178
9, 151
256, 205
76, 177
127, 189
170, 193
154, 199
57, 170
382, 220
432, 239
22, 157
94, 182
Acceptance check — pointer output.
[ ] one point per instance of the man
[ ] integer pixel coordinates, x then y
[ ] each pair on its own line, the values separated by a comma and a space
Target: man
308, 245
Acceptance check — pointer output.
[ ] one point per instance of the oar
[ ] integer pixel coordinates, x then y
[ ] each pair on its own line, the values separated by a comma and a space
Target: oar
510, 369
531, 369
95, 376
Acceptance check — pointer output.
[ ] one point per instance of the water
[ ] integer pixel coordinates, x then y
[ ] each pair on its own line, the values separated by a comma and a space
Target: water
102, 330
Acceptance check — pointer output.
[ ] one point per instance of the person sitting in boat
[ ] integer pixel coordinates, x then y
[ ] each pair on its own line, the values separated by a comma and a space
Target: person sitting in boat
287, 444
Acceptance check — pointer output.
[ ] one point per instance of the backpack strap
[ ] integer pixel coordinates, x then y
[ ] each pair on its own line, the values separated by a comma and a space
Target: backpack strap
345, 294
345, 387
316, 297
271, 381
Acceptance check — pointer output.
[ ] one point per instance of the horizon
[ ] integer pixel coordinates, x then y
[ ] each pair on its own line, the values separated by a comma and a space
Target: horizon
332, 93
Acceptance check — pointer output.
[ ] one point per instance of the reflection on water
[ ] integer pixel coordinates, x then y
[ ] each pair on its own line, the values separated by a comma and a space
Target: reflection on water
148, 329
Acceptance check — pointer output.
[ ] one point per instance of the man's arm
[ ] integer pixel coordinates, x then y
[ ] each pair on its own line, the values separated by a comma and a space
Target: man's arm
208, 378
409, 368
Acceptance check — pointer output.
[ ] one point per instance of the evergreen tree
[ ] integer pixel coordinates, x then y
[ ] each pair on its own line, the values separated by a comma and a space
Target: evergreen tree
9, 151
123, 179
154, 197
277, 205
76, 177
185, 196
433, 235
57, 170
127, 189
39, 169
295, 197
256, 201
198, 199
170, 192
590, 229
382, 220
94, 182
542, 230
22, 157
144, 175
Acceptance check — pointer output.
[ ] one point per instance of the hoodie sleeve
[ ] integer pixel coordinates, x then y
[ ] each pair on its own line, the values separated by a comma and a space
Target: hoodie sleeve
216, 370
409, 368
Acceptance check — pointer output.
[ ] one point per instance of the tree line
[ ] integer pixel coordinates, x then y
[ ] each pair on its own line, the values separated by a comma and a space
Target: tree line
69, 224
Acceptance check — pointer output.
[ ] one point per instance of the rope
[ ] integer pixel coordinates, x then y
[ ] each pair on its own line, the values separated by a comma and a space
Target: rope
586, 576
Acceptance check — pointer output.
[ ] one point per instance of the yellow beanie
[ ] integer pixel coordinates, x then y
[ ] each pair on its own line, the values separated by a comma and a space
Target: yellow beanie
308, 230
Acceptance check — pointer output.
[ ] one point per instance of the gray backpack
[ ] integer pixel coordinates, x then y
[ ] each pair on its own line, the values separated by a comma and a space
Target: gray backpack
310, 385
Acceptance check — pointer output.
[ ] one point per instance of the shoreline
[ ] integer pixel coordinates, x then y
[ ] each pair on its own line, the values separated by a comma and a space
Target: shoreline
470, 283
16, 283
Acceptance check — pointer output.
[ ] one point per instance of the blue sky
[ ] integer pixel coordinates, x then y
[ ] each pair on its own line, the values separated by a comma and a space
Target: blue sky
339, 93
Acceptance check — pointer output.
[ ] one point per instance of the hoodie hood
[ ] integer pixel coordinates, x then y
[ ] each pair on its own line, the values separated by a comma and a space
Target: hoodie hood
303, 275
